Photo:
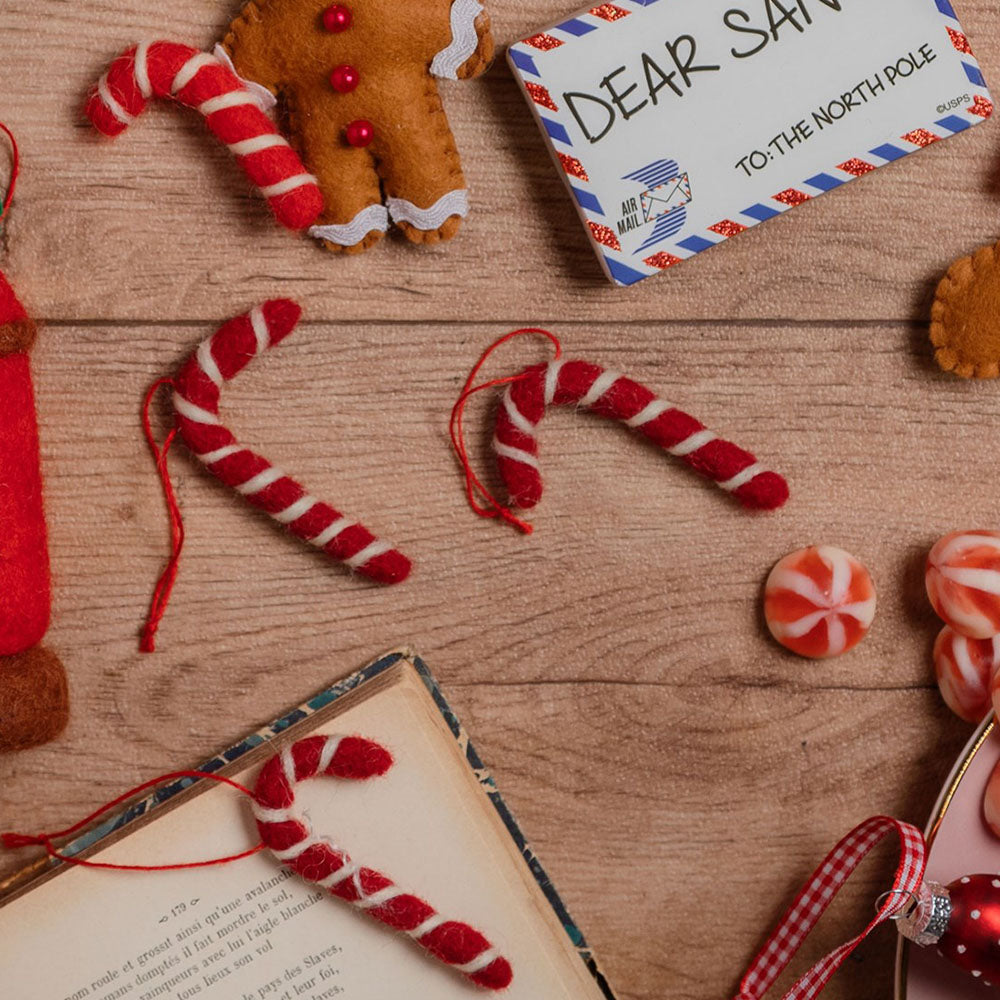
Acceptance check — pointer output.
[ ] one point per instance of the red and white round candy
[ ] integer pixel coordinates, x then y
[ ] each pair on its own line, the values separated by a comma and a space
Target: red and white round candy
963, 582
819, 601
965, 669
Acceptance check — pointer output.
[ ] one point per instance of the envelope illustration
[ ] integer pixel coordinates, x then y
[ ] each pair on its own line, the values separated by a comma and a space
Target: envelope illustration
666, 197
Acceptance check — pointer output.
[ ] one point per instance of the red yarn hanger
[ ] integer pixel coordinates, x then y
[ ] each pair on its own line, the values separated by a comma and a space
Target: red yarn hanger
15, 171
12, 841
474, 488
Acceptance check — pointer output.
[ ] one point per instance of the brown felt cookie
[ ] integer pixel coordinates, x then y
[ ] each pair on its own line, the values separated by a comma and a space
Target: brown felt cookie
34, 699
357, 84
965, 317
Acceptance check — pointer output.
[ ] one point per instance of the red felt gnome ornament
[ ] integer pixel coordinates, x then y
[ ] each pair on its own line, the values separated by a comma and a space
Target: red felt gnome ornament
34, 705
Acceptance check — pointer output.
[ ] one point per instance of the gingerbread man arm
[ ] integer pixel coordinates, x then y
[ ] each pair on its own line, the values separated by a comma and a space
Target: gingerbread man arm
250, 44
471, 49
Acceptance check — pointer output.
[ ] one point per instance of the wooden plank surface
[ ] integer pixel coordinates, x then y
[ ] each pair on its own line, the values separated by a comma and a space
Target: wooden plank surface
679, 774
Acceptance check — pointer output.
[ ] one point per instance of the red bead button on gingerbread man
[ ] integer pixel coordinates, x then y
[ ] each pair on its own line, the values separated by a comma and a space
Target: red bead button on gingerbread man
358, 85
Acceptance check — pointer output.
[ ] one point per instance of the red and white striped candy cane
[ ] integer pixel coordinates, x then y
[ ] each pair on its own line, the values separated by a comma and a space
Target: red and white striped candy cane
201, 81
611, 395
264, 486
289, 835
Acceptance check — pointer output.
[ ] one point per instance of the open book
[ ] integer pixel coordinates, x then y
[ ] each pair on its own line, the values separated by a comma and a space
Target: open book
252, 930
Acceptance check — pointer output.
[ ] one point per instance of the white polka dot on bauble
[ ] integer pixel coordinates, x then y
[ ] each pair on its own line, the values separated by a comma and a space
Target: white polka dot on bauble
961, 949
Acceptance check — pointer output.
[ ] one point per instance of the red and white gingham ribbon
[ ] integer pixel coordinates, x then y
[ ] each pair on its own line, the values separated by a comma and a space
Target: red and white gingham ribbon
816, 896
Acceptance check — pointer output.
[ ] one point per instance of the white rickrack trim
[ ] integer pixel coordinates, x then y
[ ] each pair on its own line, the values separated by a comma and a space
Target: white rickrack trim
464, 39
427, 219
263, 97
372, 219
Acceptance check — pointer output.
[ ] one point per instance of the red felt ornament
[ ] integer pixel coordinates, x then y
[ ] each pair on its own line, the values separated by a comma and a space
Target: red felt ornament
34, 706
962, 921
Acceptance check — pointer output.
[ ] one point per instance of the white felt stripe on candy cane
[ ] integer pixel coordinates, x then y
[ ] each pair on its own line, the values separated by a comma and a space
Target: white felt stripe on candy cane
296, 850
552, 380
694, 443
348, 870
264, 815
649, 413
288, 766
288, 184
742, 478
211, 457
296, 510
480, 962
602, 384
191, 69
224, 102
261, 331
207, 362
514, 454
111, 103
247, 147
430, 924
260, 482
330, 532
380, 898
367, 554
142, 70
195, 413
265, 100
328, 753
517, 418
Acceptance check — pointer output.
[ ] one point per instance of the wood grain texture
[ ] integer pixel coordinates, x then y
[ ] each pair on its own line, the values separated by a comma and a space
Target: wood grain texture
678, 773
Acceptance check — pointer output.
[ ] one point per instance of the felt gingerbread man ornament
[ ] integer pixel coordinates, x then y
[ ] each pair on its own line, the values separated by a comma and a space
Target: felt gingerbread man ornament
356, 91
358, 87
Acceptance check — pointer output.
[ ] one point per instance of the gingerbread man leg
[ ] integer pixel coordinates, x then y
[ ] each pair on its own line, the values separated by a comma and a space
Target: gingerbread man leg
420, 170
354, 218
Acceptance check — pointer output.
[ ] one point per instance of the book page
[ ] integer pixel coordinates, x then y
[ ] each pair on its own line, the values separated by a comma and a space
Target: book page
252, 930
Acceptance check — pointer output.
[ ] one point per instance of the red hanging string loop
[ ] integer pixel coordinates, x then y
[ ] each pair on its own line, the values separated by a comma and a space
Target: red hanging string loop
11, 841
15, 171
480, 499
165, 584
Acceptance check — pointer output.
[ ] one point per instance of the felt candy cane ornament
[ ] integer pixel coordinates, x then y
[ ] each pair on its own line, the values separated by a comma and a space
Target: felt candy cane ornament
197, 393
615, 397
34, 704
286, 831
231, 111
288, 834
